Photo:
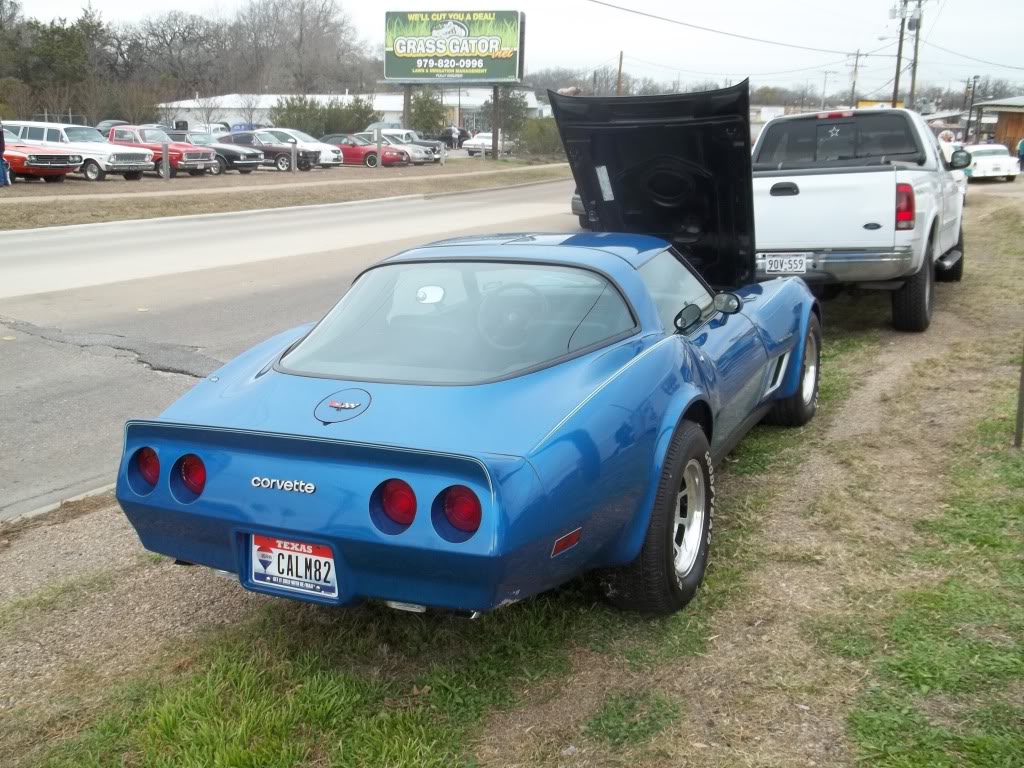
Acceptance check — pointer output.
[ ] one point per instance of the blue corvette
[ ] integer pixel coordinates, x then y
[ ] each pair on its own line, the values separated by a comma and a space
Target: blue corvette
482, 419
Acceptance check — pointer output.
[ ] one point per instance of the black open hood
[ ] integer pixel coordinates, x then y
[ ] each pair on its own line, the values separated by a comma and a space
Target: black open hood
675, 166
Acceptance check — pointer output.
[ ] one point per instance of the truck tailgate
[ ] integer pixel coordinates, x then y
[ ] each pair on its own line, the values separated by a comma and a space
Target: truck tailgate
825, 209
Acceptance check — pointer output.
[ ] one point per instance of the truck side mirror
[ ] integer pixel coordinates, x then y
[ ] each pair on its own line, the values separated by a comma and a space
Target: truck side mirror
960, 158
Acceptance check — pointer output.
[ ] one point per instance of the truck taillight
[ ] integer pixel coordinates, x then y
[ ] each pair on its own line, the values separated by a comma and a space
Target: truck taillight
905, 213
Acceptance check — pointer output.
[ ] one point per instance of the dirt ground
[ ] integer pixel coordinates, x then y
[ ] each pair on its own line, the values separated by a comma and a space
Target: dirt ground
831, 526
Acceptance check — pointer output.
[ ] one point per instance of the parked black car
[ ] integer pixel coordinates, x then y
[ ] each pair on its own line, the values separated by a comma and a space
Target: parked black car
275, 152
230, 157
105, 125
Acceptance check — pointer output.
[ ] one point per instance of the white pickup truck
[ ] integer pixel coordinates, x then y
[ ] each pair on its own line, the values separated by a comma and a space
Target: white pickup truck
863, 198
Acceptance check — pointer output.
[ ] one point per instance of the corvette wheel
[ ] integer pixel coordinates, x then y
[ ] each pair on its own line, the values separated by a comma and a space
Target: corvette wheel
670, 567
799, 408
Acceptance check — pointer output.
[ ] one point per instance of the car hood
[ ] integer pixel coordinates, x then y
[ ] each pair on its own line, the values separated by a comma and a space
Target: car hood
94, 147
234, 147
675, 166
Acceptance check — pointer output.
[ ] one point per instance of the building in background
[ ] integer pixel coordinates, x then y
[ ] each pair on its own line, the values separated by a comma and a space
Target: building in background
1009, 119
463, 106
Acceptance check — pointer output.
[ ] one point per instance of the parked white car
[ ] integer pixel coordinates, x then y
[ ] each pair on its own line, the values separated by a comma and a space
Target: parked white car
214, 129
330, 155
862, 198
482, 143
992, 161
100, 156
417, 155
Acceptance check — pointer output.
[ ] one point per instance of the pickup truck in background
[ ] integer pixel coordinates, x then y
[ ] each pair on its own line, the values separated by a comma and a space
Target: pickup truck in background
859, 198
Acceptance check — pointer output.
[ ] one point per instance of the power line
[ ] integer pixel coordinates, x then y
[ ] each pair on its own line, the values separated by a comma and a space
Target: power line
716, 31
961, 55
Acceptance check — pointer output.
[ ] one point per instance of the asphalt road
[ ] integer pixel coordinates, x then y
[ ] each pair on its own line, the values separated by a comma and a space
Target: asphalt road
101, 323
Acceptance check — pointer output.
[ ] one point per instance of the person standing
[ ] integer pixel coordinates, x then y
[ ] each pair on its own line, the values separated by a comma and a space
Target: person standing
4, 180
1020, 153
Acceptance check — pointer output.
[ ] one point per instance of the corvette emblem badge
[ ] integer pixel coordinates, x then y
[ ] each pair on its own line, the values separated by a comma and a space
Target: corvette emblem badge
341, 406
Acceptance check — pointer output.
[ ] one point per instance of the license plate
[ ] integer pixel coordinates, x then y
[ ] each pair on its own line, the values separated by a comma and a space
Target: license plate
200, 166
785, 263
294, 566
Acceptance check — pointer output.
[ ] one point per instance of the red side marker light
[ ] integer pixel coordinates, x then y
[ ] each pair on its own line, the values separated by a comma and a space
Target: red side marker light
905, 213
568, 541
149, 465
193, 473
398, 501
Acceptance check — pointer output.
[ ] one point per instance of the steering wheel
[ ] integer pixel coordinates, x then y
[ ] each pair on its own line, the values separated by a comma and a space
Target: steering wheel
505, 315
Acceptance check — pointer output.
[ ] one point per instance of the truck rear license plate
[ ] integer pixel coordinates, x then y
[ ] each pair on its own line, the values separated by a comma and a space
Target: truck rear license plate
785, 264
293, 566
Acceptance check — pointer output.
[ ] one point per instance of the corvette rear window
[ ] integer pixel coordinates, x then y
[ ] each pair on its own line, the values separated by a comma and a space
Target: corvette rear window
461, 322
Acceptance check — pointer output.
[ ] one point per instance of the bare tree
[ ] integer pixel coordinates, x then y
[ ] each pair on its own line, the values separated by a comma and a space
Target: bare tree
321, 37
187, 47
138, 100
208, 109
258, 35
250, 108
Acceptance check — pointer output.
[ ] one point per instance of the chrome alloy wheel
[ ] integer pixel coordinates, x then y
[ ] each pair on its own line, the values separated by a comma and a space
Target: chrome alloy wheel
810, 377
688, 526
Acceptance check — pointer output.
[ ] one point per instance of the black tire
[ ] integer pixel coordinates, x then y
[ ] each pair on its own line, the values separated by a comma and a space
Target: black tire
196, 172
471, 153
54, 179
650, 584
133, 176
160, 170
912, 304
370, 161
584, 222
283, 163
245, 171
305, 167
955, 273
92, 171
800, 407
219, 167
827, 291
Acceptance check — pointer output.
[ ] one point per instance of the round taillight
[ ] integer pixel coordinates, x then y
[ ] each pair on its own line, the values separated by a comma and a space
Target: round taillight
149, 465
462, 508
193, 473
398, 501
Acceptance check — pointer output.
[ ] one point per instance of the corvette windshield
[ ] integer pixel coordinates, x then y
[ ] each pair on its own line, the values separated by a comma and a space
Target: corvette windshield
461, 322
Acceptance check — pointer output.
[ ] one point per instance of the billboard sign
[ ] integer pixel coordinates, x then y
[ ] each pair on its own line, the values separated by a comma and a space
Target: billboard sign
482, 46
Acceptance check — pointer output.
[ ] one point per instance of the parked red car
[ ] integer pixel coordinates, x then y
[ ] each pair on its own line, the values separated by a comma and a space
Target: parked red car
32, 162
183, 157
359, 151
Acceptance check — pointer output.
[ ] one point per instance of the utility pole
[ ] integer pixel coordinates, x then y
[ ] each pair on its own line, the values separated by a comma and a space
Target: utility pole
618, 80
824, 87
970, 112
918, 20
853, 87
899, 52
967, 87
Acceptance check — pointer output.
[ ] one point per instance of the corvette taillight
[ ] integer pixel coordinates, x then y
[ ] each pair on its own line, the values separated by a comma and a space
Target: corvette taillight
148, 464
398, 502
462, 508
905, 213
193, 473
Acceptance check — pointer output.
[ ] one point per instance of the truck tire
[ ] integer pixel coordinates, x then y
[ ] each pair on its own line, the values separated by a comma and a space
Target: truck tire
666, 574
955, 273
912, 304
92, 171
584, 222
800, 407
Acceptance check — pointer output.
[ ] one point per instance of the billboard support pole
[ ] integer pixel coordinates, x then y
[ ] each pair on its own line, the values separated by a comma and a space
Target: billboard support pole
495, 124
406, 104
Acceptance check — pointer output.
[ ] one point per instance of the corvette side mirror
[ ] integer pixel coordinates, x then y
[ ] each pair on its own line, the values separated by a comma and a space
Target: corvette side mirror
728, 303
686, 317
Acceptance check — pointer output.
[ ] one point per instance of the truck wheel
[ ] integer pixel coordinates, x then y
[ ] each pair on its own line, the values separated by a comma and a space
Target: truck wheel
283, 163
670, 567
53, 179
371, 160
133, 176
584, 222
912, 304
800, 407
955, 273
92, 171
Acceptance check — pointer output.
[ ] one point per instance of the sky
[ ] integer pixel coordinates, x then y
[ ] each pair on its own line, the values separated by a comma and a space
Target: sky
582, 35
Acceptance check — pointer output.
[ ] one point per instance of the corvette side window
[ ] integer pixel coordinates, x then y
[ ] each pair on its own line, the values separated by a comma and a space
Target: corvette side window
673, 286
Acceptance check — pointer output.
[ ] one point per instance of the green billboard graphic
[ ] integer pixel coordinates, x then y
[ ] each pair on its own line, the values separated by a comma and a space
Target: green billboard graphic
485, 46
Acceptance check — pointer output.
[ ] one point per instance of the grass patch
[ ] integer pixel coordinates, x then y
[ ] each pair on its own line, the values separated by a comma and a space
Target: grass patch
54, 597
955, 646
848, 638
632, 718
